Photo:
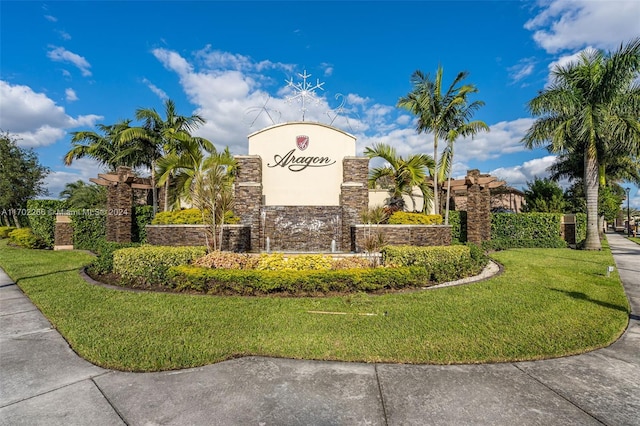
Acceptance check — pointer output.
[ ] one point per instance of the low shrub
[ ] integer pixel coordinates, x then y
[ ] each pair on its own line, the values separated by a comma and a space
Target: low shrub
103, 263
227, 260
404, 218
444, 263
24, 237
5, 230
303, 262
294, 283
148, 265
352, 262
189, 217
525, 230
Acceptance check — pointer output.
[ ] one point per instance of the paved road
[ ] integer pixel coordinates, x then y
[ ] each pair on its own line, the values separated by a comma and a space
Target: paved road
44, 382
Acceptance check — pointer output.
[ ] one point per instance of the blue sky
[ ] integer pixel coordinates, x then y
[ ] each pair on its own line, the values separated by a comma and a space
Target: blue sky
66, 66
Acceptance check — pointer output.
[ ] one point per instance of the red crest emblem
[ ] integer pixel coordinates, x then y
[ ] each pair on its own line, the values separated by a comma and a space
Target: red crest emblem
302, 142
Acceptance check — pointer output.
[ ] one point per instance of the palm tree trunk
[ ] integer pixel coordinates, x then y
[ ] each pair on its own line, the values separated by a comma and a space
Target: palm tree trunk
591, 192
166, 194
446, 212
436, 204
154, 190
15, 218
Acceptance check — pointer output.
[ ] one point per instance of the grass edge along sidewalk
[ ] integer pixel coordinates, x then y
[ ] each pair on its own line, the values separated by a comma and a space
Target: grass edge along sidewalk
547, 303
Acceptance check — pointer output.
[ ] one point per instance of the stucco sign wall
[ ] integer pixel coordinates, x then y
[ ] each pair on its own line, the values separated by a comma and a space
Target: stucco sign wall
301, 163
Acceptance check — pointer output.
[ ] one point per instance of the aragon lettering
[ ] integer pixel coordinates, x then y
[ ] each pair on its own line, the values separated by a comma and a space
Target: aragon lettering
298, 164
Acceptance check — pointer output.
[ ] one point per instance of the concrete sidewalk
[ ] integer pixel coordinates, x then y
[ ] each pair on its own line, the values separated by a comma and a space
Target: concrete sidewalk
44, 382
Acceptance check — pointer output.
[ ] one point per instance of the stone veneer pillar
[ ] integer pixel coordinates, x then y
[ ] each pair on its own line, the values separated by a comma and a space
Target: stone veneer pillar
63, 233
478, 209
248, 196
120, 206
354, 195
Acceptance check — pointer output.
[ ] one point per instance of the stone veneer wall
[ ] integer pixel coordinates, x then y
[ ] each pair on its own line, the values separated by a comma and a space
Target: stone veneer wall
234, 237
397, 235
302, 228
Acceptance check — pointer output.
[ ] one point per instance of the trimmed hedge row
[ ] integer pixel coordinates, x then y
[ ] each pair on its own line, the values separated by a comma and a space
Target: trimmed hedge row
298, 283
404, 218
528, 230
188, 217
148, 265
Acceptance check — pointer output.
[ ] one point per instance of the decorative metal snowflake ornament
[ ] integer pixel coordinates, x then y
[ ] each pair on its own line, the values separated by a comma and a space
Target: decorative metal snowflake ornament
304, 91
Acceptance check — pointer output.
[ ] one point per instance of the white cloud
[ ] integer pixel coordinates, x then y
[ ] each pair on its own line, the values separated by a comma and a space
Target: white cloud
50, 18
503, 138
521, 70
81, 169
518, 176
64, 35
155, 89
71, 95
35, 118
60, 54
570, 24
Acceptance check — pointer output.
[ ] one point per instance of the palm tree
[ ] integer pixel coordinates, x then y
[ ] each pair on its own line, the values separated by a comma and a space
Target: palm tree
592, 107
183, 166
80, 195
101, 147
158, 137
210, 191
464, 129
437, 112
400, 175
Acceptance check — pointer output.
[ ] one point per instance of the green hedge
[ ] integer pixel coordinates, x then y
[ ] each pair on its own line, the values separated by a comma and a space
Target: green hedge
404, 218
529, 230
142, 216
148, 265
458, 222
297, 283
42, 218
89, 229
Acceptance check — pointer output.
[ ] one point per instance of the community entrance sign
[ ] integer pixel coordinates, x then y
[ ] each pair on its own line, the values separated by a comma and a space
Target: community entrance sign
301, 188
302, 163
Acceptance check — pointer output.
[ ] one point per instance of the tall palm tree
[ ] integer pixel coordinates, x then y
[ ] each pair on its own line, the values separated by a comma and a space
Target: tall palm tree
100, 146
437, 112
159, 136
592, 107
464, 128
401, 175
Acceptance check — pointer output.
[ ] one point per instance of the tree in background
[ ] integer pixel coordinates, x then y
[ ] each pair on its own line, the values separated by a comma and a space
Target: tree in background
400, 175
438, 112
100, 146
158, 137
80, 195
544, 196
591, 107
21, 178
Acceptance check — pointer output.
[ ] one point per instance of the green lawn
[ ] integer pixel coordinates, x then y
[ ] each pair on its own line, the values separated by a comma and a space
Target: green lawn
547, 303
635, 239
